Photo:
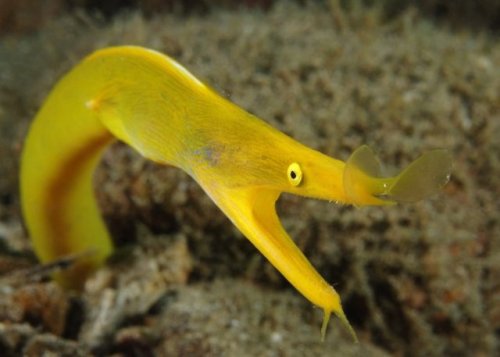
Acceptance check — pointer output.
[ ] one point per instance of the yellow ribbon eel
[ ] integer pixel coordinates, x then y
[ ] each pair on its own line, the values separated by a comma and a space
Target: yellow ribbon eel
153, 104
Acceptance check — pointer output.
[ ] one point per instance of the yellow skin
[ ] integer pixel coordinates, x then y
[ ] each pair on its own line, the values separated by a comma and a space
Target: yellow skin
150, 102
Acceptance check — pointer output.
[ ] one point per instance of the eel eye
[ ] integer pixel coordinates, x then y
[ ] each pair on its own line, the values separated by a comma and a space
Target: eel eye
294, 174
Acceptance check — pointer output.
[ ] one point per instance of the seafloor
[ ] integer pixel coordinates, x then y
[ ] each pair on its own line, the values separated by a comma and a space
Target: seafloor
419, 279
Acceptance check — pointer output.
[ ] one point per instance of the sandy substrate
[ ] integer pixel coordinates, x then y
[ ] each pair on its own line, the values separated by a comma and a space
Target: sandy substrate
418, 279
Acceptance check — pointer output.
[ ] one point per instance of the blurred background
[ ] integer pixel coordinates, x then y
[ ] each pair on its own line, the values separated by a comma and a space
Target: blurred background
21, 16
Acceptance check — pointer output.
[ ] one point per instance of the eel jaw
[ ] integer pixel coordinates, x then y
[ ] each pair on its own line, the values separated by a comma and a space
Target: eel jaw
252, 211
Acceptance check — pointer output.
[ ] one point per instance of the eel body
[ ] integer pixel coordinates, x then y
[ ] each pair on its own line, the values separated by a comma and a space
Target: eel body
150, 102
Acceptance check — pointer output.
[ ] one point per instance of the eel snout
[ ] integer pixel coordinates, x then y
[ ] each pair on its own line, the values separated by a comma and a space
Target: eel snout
424, 177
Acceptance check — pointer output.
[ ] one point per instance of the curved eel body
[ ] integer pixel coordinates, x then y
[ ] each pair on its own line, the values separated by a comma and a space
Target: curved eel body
153, 104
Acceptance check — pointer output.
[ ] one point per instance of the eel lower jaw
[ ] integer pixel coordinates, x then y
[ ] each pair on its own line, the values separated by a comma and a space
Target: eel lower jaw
252, 210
